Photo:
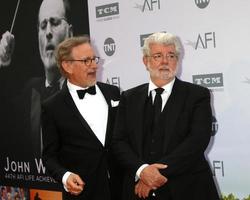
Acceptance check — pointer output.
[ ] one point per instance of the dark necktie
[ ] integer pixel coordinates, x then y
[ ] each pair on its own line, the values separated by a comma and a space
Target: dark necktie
90, 90
157, 103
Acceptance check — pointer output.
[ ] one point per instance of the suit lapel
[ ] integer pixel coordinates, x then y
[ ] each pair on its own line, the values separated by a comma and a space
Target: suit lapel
138, 112
171, 111
70, 102
107, 96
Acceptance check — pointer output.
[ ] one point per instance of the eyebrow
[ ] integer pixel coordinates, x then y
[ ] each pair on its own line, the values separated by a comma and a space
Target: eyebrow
161, 53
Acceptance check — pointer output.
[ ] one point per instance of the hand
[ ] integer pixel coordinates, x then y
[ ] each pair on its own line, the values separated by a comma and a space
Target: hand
151, 176
142, 190
74, 184
7, 45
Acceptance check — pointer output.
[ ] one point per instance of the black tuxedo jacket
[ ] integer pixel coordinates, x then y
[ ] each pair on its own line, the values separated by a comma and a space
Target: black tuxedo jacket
186, 123
71, 145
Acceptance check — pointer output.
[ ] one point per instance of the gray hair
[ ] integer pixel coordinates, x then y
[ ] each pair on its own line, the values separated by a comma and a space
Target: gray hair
162, 38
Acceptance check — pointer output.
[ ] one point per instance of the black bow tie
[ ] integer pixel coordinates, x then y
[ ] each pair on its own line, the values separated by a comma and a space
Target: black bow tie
90, 90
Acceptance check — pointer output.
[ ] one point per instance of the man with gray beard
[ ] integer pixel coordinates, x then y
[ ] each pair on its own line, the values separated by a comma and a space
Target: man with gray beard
162, 130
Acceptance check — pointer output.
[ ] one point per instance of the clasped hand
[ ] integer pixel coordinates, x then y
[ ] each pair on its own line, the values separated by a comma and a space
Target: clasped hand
74, 184
150, 179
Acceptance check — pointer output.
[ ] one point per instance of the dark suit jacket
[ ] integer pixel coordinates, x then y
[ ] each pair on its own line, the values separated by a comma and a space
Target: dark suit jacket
26, 119
33, 94
71, 145
186, 122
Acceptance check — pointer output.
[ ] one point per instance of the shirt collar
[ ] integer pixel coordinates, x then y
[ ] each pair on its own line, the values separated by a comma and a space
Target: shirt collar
167, 88
73, 87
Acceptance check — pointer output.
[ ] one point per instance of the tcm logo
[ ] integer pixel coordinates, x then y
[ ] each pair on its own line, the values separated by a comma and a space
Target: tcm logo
149, 5
202, 3
143, 37
109, 46
209, 80
214, 126
107, 10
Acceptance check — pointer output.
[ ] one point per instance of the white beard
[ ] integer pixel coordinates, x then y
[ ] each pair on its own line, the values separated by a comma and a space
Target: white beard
165, 73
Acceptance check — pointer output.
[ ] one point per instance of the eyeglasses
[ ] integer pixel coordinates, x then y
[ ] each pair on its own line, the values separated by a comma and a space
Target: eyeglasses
55, 23
158, 57
87, 61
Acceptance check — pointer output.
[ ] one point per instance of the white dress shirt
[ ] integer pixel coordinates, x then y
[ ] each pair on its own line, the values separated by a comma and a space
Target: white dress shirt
165, 95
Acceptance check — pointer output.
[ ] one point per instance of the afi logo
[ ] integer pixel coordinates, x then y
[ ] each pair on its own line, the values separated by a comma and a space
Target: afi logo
218, 168
202, 3
247, 80
209, 80
109, 46
107, 10
215, 126
149, 5
114, 81
204, 40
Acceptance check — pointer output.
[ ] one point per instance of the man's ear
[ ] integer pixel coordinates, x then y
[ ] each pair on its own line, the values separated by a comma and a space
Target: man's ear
145, 61
70, 31
67, 67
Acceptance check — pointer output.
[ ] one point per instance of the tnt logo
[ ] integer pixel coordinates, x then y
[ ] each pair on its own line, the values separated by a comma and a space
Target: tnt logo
107, 10
202, 3
209, 80
109, 46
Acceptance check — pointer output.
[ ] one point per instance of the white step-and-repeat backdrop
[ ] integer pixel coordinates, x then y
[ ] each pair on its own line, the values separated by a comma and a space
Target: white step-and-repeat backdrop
216, 39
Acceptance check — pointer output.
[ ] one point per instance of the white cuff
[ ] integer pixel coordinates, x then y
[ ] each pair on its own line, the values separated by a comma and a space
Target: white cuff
138, 172
64, 180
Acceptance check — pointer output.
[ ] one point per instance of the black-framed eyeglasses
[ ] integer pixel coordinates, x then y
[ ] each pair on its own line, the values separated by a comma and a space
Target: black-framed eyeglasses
55, 22
158, 57
87, 61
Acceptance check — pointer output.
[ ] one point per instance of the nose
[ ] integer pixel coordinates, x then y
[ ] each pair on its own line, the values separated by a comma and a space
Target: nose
164, 59
48, 31
93, 65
